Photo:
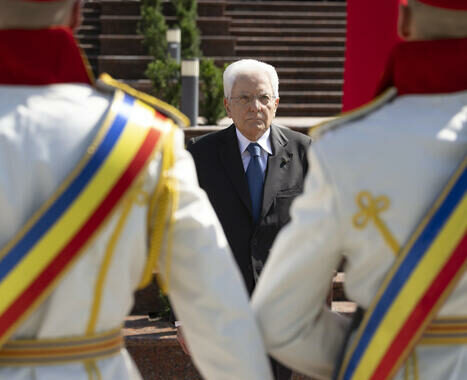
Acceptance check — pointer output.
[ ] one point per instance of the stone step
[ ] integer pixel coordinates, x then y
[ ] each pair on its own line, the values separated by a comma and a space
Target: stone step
290, 51
309, 80
338, 291
128, 24
87, 38
269, 23
288, 32
309, 73
290, 41
286, 15
90, 49
132, 44
93, 30
91, 5
308, 109
91, 20
291, 62
287, 87
122, 66
286, 84
133, 67
344, 307
90, 12
311, 97
132, 7
297, 6
94, 62
143, 85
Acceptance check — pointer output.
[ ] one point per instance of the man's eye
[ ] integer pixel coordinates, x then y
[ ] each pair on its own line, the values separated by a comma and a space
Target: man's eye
264, 99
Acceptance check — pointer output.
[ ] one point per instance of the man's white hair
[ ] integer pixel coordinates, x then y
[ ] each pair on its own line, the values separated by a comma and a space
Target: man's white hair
22, 14
248, 66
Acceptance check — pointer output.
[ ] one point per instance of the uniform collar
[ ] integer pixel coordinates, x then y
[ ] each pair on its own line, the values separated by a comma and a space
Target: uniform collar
264, 141
428, 67
41, 57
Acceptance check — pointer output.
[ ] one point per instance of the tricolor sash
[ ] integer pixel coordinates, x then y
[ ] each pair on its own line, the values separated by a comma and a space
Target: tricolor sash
423, 276
32, 264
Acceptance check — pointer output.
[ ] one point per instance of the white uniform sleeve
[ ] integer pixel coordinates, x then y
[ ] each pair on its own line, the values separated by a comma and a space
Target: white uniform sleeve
289, 299
206, 289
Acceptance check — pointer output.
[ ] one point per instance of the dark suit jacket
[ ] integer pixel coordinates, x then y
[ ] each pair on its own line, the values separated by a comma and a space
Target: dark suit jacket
221, 174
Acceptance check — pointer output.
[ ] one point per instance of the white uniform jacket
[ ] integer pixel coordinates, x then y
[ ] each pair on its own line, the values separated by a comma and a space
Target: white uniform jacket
404, 148
44, 132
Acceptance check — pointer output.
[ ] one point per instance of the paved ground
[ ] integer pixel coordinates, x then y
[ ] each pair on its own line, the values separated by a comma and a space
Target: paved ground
154, 348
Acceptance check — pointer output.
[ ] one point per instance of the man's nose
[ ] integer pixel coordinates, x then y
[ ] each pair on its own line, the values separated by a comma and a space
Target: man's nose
254, 103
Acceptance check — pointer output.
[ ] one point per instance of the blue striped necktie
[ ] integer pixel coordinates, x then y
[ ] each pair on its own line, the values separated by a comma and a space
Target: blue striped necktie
254, 175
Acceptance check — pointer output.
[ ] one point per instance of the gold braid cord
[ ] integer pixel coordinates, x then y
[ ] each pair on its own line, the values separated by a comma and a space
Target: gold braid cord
162, 206
370, 209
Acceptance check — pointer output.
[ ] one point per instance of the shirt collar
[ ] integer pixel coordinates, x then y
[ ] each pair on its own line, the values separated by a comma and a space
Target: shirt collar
264, 141
42, 57
428, 67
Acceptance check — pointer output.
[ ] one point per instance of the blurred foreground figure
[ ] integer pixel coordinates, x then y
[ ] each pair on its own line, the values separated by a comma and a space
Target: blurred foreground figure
96, 191
386, 191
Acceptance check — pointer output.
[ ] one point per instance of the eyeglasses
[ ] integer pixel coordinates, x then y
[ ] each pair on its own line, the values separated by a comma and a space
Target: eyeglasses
264, 99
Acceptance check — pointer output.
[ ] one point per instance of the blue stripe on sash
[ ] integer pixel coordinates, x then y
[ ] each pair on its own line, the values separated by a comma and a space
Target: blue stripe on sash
416, 253
55, 211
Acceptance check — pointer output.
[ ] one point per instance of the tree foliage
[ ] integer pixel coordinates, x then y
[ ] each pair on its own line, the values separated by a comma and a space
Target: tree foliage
165, 78
186, 12
164, 72
153, 28
212, 92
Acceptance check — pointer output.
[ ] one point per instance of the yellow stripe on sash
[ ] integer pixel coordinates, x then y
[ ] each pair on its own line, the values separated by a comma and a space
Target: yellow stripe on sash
77, 213
414, 289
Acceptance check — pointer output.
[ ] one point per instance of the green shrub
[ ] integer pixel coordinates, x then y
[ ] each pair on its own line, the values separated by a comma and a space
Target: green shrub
164, 72
153, 28
211, 92
186, 12
165, 78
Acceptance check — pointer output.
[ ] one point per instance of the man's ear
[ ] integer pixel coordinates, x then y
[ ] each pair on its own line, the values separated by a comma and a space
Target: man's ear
276, 103
227, 107
404, 24
75, 17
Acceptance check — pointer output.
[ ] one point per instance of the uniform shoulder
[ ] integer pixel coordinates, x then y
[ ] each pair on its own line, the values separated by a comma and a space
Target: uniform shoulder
341, 120
107, 84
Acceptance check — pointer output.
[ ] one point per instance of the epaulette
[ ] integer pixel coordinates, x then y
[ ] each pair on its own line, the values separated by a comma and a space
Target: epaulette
319, 129
107, 83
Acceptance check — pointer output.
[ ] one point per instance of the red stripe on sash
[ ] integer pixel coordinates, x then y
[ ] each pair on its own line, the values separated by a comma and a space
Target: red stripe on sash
44, 279
421, 311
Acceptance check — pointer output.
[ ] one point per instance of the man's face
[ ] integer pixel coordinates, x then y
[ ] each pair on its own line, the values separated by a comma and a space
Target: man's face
252, 105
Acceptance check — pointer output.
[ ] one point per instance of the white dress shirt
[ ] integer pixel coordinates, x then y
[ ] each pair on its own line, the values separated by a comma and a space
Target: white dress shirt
264, 142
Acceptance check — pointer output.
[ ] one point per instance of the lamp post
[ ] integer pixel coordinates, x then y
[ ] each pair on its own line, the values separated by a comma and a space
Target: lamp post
173, 42
190, 81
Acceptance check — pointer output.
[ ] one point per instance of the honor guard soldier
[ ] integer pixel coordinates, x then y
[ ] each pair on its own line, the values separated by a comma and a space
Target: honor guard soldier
387, 192
96, 192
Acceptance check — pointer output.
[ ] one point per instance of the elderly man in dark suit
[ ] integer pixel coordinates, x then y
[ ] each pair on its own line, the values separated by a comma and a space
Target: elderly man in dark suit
253, 169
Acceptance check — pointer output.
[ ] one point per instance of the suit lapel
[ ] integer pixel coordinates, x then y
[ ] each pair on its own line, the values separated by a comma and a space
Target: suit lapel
232, 162
277, 165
